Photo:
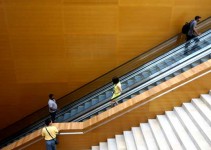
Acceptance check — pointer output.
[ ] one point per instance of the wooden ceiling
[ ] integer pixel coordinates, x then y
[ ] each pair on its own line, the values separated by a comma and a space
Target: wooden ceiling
56, 46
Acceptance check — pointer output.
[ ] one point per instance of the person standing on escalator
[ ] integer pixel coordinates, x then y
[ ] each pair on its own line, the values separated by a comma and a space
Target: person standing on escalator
52, 105
117, 90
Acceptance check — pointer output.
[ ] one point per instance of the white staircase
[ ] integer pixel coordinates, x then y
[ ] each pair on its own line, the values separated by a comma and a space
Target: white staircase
185, 128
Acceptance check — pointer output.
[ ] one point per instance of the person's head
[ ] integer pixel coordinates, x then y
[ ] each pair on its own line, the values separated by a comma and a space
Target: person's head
51, 96
48, 122
115, 80
197, 18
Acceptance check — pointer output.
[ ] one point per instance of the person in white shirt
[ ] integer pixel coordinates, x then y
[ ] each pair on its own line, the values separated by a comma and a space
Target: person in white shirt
52, 105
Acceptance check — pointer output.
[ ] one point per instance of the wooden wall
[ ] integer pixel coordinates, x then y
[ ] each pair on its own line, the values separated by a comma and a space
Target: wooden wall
56, 46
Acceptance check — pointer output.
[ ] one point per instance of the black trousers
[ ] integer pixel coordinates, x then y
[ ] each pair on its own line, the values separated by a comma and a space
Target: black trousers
53, 116
190, 37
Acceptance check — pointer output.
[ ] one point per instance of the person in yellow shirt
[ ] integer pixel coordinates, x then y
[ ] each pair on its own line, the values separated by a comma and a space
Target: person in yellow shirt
49, 132
117, 89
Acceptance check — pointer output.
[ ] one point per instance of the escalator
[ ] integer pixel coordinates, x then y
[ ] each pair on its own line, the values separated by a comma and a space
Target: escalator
167, 63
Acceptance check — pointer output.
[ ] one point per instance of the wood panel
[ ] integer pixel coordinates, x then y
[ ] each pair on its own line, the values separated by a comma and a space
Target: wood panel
130, 113
56, 46
89, 20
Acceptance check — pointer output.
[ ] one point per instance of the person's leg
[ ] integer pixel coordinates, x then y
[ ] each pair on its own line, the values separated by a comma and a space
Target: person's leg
196, 39
112, 102
196, 42
188, 38
116, 102
53, 116
53, 145
48, 145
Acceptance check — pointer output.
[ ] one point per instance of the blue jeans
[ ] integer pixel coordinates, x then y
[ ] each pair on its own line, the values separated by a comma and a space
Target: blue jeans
50, 145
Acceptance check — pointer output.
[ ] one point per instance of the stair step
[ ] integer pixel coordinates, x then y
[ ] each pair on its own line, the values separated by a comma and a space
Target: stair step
169, 133
139, 139
149, 139
129, 140
158, 134
112, 144
206, 98
95, 148
120, 141
192, 130
199, 121
181, 133
203, 109
103, 146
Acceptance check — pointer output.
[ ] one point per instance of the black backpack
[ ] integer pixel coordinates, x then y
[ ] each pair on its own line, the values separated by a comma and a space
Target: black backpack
186, 28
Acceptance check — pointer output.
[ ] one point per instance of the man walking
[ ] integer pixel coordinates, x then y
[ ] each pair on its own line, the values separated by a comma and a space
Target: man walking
52, 107
192, 34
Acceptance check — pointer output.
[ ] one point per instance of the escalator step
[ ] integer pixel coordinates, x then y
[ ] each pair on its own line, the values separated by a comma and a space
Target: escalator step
87, 105
67, 115
102, 97
73, 112
94, 101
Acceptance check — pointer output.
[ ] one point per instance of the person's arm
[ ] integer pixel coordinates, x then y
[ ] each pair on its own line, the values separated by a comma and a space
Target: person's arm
43, 134
119, 88
195, 30
56, 130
